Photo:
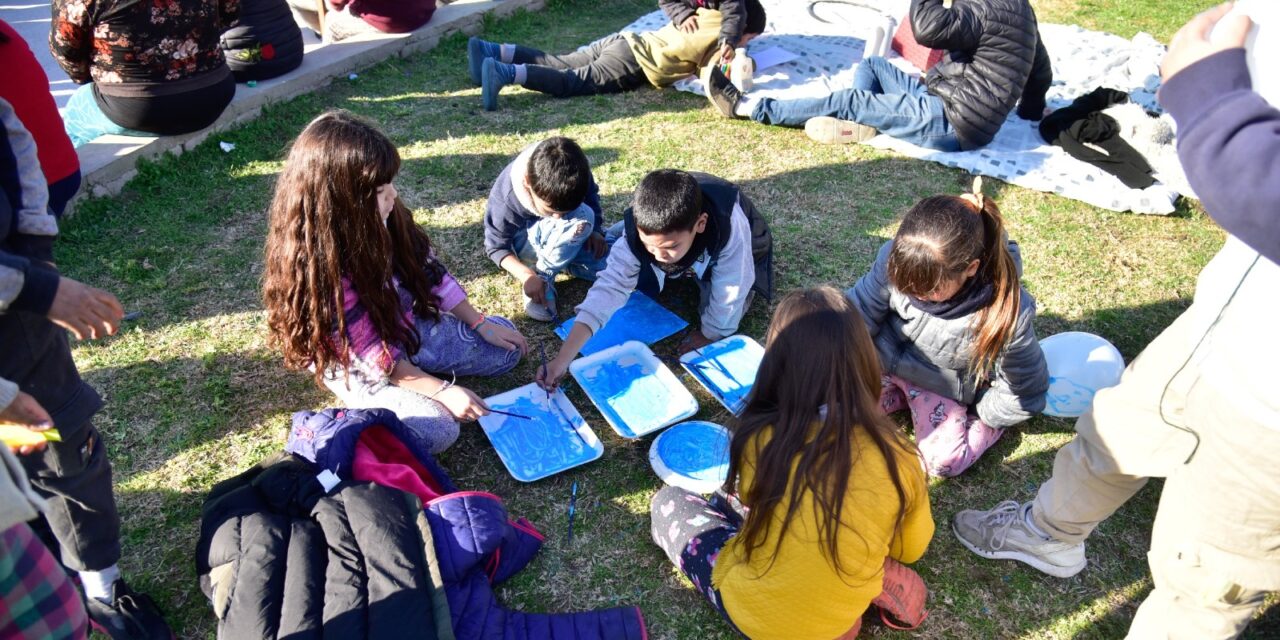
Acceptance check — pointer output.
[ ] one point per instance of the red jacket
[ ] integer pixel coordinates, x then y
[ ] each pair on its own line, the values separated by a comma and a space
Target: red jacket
390, 16
26, 87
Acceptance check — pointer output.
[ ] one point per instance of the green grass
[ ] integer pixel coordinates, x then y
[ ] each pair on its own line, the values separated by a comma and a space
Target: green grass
194, 396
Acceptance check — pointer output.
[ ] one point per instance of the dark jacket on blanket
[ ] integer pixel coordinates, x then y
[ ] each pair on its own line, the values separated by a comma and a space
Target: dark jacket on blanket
476, 544
934, 352
279, 557
265, 43
507, 213
733, 15
994, 59
1076, 127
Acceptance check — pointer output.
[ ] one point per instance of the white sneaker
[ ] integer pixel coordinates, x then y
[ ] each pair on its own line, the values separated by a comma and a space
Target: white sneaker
1003, 534
829, 130
539, 312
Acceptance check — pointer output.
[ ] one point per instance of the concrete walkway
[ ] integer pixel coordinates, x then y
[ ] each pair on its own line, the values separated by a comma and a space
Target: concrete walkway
109, 162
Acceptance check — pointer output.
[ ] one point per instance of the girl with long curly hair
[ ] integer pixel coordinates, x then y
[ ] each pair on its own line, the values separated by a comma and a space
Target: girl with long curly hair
354, 292
954, 328
832, 489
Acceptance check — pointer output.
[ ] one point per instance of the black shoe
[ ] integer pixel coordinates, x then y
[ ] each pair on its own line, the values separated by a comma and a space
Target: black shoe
129, 616
722, 94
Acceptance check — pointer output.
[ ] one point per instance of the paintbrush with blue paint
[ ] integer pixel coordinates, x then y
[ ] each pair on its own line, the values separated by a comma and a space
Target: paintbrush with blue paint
573, 503
542, 349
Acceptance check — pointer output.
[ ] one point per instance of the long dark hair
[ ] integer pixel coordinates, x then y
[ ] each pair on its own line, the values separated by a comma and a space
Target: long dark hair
818, 354
324, 224
938, 239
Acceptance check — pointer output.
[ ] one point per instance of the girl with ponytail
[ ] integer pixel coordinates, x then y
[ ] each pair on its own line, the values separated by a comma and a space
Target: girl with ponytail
953, 327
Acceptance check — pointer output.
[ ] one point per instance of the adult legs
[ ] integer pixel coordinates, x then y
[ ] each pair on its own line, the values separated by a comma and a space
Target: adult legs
1215, 546
883, 97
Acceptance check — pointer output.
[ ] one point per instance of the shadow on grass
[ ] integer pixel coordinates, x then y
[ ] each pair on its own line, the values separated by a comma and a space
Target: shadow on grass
183, 416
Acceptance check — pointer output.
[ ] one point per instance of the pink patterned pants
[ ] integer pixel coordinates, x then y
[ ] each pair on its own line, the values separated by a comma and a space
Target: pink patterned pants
949, 438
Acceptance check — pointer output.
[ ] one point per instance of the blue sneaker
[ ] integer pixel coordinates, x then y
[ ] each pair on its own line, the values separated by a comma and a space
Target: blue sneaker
494, 76
477, 51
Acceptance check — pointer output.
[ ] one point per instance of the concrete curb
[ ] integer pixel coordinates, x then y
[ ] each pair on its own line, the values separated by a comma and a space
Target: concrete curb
109, 163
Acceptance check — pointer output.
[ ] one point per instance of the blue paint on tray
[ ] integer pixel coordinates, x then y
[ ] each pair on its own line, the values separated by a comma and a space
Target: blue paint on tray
633, 390
727, 369
698, 450
639, 319
545, 444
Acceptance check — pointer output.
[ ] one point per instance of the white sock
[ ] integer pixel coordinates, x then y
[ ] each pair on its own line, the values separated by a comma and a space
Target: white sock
506, 53
1026, 519
97, 584
522, 74
741, 109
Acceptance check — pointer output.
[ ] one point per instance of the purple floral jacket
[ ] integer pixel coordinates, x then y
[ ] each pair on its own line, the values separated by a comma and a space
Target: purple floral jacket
126, 41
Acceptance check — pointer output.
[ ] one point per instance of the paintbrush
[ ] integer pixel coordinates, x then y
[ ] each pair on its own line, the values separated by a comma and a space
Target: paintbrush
542, 348
508, 413
573, 502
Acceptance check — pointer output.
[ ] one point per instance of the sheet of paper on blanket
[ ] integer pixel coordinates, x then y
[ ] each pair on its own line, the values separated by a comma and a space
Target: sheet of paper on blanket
771, 57
828, 54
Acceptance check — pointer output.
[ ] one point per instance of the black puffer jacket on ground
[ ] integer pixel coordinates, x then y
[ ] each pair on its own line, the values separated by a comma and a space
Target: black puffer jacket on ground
994, 58
265, 43
279, 557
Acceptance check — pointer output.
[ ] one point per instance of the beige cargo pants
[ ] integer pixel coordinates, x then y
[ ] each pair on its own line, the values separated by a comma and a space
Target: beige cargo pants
1215, 547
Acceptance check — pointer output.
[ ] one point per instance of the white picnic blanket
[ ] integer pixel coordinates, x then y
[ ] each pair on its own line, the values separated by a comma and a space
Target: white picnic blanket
829, 42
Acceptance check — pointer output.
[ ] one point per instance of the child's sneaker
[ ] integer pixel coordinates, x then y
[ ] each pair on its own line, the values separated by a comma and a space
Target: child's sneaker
722, 94
129, 615
542, 313
1003, 533
494, 76
828, 130
477, 52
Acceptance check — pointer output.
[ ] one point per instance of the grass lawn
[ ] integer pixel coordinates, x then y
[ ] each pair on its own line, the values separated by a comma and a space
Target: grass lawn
194, 396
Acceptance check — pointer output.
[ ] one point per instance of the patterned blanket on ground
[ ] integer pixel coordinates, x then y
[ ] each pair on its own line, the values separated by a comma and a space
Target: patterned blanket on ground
829, 39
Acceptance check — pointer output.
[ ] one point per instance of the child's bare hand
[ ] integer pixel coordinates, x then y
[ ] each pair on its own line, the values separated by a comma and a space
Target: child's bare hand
1199, 39
694, 340
27, 412
726, 53
501, 336
87, 312
597, 246
689, 25
549, 376
535, 287
463, 403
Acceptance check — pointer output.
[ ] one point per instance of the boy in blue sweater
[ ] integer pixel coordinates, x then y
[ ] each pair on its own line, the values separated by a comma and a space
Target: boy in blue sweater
544, 217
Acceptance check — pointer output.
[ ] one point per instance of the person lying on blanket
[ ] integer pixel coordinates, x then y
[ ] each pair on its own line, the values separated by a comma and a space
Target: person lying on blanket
622, 61
994, 60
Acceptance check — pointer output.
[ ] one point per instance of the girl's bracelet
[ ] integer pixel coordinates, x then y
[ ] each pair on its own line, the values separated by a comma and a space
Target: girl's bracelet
476, 325
444, 387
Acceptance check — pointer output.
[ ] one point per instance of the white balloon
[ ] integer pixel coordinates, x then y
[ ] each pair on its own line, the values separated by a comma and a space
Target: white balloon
1080, 364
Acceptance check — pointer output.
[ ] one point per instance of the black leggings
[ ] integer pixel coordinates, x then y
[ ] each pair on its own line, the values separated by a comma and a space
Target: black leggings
607, 66
169, 115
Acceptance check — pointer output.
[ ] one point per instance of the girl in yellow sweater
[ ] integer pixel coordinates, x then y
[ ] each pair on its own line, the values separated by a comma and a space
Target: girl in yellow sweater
829, 488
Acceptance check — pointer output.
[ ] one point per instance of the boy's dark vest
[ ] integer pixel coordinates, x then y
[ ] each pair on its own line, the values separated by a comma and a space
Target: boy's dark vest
718, 198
